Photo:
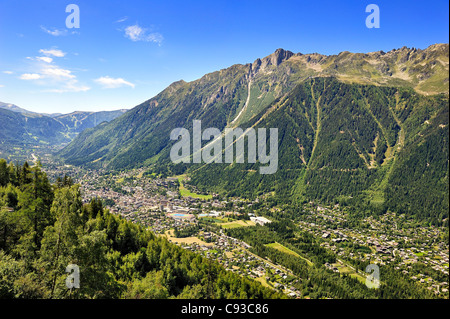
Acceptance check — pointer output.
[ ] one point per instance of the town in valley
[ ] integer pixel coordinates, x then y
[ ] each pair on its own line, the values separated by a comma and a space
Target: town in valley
170, 207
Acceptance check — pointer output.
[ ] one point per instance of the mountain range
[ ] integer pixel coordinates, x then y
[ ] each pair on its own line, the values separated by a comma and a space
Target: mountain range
20, 127
366, 127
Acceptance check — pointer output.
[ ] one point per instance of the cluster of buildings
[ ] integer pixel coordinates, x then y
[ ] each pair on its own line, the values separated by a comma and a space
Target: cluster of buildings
156, 203
383, 242
259, 220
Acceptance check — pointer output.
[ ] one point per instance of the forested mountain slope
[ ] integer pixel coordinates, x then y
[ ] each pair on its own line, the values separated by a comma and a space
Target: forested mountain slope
233, 96
45, 228
21, 129
386, 147
371, 128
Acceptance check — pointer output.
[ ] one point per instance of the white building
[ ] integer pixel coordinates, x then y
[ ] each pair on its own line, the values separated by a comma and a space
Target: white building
260, 220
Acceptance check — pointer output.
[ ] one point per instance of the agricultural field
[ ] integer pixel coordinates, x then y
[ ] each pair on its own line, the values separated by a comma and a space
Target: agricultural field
217, 220
284, 249
263, 281
237, 224
344, 269
186, 240
187, 193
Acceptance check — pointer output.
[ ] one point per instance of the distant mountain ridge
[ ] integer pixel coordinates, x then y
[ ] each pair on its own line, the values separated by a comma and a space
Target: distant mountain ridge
20, 127
80, 120
14, 108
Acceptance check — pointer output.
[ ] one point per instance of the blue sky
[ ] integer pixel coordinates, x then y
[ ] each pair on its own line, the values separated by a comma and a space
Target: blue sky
126, 52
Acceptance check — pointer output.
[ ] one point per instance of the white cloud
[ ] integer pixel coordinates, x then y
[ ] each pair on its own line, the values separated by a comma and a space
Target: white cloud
30, 76
41, 58
8, 72
54, 32
71, 86
122, 19
111, 83
63, 79
2, 86
44, 58
56, 72
55, 78
54, 52
136, 33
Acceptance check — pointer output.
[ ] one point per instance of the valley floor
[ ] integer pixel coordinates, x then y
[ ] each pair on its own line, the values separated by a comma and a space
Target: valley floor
206, 224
